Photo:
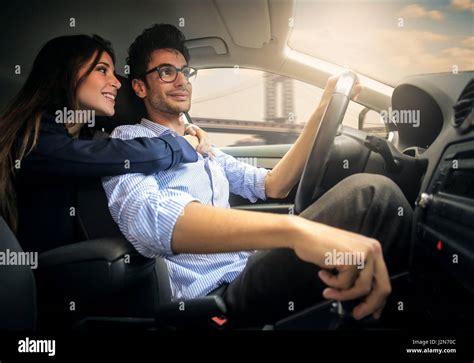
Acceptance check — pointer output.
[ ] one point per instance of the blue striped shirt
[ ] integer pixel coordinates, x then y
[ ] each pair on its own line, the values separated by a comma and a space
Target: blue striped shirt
146, 208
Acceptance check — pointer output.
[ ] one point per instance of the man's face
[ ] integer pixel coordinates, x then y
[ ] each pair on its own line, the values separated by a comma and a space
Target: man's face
169, 98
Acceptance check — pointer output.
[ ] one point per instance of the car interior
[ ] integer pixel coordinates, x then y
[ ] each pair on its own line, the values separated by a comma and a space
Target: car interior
102, 283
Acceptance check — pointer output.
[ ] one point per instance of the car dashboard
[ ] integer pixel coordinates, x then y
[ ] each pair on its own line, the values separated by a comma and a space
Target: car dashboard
442, 264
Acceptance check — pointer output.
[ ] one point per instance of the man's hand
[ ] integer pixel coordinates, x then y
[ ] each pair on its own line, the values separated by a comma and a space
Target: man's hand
204, 145
287, 172
331, 85
351, 282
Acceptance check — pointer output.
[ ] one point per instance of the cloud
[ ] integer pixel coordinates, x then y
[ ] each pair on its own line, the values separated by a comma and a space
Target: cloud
429, 37
459, 53
415, 55
468, 42
387, 54
418, 11
462, 5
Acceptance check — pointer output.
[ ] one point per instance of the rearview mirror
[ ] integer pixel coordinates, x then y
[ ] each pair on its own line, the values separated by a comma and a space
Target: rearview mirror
372, 122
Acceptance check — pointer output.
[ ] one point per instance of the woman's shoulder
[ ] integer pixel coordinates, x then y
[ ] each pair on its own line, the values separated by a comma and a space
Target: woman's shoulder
48, 123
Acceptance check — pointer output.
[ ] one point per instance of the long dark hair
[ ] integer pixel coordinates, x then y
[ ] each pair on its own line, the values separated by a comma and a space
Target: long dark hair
51, 85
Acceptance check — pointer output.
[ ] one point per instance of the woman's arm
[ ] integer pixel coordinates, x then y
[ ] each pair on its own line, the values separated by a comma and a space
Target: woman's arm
57, 152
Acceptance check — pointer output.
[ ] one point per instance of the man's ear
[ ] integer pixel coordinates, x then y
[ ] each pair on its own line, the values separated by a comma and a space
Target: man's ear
139, 87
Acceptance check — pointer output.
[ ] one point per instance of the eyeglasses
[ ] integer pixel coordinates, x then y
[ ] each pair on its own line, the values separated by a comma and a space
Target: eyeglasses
168, 73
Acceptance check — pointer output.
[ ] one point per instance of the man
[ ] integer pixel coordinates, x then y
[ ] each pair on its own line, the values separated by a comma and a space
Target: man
183, 213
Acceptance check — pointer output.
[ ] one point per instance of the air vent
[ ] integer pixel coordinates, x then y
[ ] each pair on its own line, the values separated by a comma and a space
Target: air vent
463, 108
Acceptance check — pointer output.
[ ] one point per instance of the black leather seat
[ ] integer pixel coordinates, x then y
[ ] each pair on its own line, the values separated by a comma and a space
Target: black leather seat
17, 287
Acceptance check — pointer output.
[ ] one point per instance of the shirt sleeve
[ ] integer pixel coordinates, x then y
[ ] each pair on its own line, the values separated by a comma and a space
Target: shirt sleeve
58, 153
145, 213
244, 179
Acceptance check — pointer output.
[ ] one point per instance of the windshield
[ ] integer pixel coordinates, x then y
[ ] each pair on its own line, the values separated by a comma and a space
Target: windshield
387, 40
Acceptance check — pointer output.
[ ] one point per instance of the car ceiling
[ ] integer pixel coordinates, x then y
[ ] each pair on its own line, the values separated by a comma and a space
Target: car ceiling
222, 33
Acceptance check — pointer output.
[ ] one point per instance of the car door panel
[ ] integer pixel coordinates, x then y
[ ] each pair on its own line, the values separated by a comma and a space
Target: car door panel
262, 156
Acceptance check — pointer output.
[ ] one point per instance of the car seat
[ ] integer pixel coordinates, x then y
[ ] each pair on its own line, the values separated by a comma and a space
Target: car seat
17, 286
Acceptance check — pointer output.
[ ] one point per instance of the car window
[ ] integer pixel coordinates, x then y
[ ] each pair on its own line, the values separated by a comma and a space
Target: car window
412, 37
242, 107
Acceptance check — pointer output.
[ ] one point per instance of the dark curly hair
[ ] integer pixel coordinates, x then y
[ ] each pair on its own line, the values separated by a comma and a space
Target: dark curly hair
159, 36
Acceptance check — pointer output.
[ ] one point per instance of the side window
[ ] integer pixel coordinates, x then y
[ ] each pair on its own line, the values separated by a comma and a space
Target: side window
244, 107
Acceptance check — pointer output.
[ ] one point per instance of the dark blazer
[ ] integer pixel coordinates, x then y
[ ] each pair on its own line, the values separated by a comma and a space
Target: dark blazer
47, 182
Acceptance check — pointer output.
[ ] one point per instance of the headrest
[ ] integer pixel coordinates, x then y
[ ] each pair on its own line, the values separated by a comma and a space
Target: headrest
129, 109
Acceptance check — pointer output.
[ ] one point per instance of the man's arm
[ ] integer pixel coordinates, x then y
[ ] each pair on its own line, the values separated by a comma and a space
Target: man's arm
244, 179
206, 229
287, 172
165, 222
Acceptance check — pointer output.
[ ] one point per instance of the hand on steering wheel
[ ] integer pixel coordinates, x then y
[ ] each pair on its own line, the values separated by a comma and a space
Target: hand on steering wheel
331, 86
337, 94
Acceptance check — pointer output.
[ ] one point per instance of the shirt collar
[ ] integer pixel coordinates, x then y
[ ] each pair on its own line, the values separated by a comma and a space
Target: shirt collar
157, 128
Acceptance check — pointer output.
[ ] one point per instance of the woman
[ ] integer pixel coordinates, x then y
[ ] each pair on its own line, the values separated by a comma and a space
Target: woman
47, 152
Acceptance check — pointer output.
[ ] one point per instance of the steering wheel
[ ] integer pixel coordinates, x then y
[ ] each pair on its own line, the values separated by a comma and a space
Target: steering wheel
310, 187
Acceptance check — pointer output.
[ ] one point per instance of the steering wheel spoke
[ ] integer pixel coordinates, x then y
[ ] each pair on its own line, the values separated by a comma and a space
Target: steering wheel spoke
310, 186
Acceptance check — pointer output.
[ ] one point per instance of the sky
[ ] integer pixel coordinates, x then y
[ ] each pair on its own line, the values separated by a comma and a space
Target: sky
387, 40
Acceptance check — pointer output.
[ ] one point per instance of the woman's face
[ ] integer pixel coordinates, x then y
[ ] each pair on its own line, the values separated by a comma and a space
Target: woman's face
98, 91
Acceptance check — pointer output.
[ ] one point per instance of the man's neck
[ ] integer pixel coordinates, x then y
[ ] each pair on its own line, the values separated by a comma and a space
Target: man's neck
174, 122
